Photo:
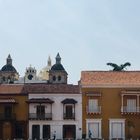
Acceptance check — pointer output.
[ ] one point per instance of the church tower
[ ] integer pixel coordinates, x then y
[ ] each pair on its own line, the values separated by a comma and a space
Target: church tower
30, 75
8, 73
57, 74
44, 73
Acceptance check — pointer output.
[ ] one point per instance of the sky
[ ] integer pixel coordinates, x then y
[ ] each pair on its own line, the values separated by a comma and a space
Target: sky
87, 34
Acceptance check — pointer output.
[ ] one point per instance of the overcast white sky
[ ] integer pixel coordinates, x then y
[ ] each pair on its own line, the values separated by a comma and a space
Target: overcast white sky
86, 33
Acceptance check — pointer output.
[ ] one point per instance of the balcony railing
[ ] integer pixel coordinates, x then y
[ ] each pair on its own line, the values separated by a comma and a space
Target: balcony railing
95, 110
35, 116
7, 117
126, 109
69, 116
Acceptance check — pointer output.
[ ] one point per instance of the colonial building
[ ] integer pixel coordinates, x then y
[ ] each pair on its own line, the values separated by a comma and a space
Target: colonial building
55, 109
13, 112
8, 73
111, 104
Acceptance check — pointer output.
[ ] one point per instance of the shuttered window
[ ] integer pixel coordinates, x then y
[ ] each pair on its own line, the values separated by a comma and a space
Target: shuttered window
131, 105
93, 105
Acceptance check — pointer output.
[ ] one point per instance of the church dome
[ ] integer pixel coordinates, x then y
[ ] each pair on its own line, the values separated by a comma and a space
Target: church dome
8, 68
57, 67
57, 74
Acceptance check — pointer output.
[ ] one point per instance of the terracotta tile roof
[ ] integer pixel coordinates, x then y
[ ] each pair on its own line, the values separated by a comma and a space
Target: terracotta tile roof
11, 89
38, 88
51, 88
110, 78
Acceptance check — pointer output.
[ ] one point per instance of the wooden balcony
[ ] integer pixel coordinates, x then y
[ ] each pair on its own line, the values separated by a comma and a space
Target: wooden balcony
7, 117
128, 110
69, 116
35, 116
96, 110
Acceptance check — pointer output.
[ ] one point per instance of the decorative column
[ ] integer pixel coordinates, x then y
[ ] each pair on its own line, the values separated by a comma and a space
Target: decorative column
41, 132
51, 111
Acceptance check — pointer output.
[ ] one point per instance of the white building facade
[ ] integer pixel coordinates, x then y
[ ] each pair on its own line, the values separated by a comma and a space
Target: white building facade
57, 114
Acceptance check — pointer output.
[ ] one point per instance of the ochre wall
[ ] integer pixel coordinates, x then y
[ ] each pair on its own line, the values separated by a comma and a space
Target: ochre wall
110, 102
21, 111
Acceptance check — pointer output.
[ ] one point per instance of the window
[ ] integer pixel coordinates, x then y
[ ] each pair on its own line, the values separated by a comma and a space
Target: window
19, 130
59, 78
36, 132
69, 112
9, 78
3, 78
117, 128
54, 78
131, 105
8, 111
40, 111
93, 128
93, 105
46, 131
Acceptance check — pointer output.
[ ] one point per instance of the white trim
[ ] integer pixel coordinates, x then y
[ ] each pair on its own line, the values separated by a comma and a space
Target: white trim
111, 121
131, 91
93, 94
132, 94
99, 121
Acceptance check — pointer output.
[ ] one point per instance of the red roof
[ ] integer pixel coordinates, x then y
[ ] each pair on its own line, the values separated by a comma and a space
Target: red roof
52, 88
110, 78
38, 88
11, 88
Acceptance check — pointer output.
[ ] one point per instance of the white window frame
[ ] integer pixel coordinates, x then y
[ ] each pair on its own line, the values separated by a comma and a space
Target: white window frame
131, 105
93, 108
111, 121
89, 121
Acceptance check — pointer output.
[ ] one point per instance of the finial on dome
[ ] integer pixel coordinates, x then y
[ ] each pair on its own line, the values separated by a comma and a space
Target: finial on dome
58, 59
9, 60
49, 61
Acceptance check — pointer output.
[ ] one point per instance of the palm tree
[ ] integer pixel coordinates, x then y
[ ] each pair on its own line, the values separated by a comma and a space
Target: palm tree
117, 67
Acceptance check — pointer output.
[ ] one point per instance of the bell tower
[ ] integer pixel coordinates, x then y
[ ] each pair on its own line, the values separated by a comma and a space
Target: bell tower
57, 74
30, 74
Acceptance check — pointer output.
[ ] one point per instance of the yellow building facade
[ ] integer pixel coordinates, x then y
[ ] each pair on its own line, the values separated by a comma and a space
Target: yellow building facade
13, 112
111, 104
